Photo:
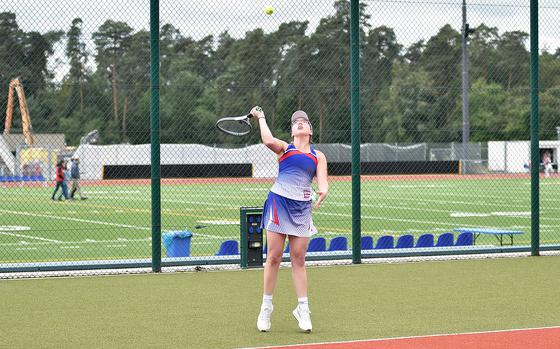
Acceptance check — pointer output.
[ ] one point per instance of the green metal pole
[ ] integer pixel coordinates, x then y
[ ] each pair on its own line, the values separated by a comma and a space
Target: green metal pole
155, 138
355, 110
535, 154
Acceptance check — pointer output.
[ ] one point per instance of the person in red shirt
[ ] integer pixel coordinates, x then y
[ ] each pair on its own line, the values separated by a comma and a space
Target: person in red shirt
60, 182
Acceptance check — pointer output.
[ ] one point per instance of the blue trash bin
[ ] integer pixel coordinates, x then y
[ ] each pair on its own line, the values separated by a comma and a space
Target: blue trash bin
177, 243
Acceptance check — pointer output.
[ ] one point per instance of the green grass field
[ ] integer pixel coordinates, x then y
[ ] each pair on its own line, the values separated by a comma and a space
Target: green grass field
114, 223
219, 309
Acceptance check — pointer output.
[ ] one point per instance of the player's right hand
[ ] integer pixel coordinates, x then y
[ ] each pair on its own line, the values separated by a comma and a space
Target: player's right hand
257, 112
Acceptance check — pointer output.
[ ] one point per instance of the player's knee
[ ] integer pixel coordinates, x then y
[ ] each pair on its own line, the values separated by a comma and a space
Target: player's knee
274, 259
297, 259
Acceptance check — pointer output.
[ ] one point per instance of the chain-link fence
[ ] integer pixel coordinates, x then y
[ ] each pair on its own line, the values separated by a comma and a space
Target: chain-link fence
445, 126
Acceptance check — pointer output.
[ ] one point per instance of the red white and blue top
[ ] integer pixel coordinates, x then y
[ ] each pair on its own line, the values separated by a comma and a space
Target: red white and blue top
295, 174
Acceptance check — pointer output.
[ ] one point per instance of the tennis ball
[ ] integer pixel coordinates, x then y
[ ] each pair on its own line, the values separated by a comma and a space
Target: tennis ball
268, 10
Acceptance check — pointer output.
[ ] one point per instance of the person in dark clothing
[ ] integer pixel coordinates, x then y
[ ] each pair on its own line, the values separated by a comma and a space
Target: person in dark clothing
75, 176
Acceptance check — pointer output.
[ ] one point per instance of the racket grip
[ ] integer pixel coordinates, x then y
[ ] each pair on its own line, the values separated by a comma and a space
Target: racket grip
251, 115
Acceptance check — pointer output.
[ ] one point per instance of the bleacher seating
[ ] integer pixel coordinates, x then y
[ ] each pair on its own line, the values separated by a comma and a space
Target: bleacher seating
425, 240
384, 242
317, 245
339, 243
367, 243
228, 248
464, 239
405, 241
445, 239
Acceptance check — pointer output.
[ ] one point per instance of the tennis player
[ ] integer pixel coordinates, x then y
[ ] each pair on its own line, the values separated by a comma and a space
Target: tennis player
287, 211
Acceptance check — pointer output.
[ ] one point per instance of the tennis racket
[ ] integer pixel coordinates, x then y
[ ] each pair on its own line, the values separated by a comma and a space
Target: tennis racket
235, 125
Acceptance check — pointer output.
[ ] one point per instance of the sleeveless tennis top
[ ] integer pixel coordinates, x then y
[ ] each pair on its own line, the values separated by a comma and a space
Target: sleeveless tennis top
295, 174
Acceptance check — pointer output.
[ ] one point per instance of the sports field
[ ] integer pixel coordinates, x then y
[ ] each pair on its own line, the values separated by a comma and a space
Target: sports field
114, 222
219, 309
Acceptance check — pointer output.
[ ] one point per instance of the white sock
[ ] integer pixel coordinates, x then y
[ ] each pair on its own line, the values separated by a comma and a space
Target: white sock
267, 300
303, 303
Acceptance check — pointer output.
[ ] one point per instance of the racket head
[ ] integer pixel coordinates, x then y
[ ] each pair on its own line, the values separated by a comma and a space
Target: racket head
234, 125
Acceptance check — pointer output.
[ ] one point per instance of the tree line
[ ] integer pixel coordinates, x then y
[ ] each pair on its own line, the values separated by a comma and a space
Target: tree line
408, 94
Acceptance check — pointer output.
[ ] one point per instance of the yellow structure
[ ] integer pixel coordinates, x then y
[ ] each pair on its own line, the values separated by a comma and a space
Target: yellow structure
15, 85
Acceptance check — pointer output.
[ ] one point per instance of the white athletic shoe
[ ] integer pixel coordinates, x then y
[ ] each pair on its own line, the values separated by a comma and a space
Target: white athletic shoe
263, 322
303, 316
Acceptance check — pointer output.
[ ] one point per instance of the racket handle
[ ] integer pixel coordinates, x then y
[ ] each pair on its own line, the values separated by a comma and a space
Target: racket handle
251, 115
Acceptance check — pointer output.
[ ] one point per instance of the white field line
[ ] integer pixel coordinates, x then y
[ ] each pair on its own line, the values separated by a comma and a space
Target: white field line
498, 201
410, 220
379, 189
450, 213
92, 242
28, 237
113, 192
383, 192
29, 214
147, 199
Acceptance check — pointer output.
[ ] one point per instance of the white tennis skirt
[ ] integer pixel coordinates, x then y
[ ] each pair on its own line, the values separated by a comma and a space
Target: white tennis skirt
287, 216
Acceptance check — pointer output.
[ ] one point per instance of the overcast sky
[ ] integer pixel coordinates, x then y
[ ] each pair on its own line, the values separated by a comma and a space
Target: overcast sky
412, 19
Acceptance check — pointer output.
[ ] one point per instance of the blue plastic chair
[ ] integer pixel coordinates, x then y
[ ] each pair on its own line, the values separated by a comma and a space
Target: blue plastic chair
405, 241
385, 242
445, 239
339, 243
367, 243
464, 239
425, 240
228, 248
317, 245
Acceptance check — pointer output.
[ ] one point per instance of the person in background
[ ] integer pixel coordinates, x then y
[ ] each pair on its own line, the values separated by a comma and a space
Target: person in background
547, 163
60, 181
75, 176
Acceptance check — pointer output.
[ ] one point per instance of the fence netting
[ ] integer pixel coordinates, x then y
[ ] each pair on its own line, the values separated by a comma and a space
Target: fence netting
445, 126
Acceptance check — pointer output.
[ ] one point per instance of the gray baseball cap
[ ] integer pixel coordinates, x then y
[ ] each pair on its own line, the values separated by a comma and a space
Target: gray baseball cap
300, 114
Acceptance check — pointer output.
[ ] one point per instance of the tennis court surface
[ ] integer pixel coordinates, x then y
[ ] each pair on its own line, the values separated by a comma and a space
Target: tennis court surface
218, 309
536, 338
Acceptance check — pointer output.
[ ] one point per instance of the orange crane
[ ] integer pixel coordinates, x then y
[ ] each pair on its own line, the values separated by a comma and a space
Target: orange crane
15, 85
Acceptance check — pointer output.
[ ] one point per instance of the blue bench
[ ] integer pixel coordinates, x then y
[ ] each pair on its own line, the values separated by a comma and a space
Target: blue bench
499, 234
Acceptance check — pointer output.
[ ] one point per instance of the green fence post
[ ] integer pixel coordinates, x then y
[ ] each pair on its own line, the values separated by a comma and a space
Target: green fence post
155, 138
535, 154
355, 108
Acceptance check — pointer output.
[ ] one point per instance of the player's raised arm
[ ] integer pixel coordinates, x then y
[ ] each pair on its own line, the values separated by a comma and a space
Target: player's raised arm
274, 144
322, 181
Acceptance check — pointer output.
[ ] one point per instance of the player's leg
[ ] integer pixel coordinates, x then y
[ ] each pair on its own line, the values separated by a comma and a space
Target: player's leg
64, 191
298, 248
275, 246
73, 189
79, 188
55, 190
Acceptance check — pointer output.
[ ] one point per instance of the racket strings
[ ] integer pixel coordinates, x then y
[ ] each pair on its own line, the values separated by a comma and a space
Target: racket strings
234, 127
